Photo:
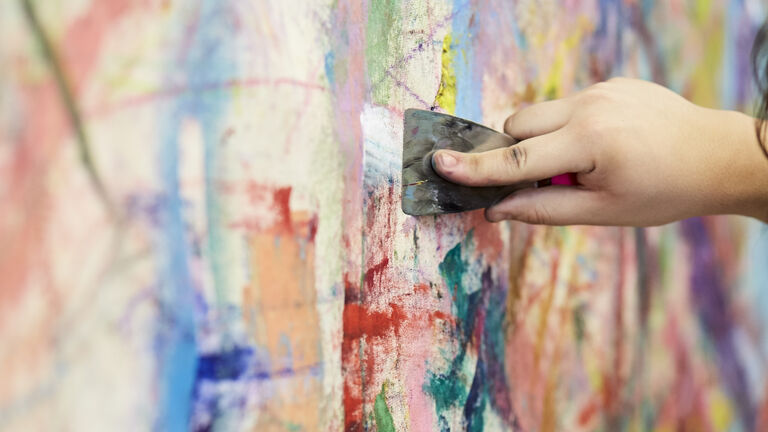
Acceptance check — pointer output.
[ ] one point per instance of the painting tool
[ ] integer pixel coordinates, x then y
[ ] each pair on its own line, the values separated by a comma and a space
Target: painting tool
424, 191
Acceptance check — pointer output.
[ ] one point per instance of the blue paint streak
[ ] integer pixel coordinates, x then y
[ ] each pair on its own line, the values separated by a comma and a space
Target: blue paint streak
729, 61
220, 406
178, 351
227, 365
330, 72
205, 63
469, 83
610, 36
712, 303
757, 276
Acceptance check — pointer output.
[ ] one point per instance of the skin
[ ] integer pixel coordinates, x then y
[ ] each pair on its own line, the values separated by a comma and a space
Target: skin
643, 155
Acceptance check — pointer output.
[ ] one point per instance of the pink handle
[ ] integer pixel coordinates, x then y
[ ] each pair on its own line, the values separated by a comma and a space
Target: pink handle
568, 179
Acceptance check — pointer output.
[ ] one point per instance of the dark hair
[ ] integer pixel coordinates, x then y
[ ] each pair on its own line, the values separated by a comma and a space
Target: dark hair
760, 72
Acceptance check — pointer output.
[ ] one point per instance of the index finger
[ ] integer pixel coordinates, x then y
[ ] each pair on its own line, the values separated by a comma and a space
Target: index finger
539, 119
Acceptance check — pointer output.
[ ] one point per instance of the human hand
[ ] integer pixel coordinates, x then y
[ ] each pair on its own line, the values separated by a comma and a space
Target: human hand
642, 155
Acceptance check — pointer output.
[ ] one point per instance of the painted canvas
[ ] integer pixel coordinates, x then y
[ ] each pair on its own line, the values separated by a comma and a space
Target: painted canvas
201, 224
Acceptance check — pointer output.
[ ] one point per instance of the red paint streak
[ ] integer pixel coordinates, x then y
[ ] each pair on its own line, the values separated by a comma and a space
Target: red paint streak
442, 316
588, 413
487, 235
282, 199
349, 95
26, 198
353, 382
312, 228
360, 322
277, 200
351, 289
353, 406
421, 288
373, 274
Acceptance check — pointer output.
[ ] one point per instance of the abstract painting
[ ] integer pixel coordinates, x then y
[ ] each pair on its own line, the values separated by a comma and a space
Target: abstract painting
201, 224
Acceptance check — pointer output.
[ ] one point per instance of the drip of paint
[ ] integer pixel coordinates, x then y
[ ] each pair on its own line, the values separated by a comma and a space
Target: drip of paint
446, 94
384, 420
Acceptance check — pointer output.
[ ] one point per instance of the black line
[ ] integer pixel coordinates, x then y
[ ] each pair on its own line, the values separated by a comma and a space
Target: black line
70, 105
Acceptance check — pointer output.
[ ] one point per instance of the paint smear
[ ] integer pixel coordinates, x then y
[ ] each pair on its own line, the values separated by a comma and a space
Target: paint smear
446, 93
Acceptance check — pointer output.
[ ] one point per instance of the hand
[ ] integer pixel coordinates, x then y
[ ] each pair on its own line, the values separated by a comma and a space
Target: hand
643, 156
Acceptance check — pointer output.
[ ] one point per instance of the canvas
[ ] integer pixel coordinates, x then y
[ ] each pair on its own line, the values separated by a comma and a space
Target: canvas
201, 224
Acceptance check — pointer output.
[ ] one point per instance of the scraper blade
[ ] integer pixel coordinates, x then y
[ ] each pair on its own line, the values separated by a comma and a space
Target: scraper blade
424, 191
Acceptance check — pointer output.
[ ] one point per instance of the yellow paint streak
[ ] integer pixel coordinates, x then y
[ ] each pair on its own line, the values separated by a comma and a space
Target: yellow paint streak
542, 327
563, 57
446, 94
549, 414
720, 410
707, 73
702, 9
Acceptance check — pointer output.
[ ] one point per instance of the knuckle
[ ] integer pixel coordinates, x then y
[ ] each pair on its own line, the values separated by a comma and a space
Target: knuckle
599, 93
515, 157
473, 163
538, 215
594, 128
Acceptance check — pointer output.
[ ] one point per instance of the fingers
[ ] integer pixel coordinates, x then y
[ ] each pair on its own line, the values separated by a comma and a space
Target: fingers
530, 160
539, 119
553, 205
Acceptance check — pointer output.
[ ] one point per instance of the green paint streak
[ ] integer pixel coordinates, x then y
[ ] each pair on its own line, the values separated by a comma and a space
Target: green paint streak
453, 269
68, 100
477, 422
293, 427
579, 325
383, 42
666, 256
384, 421
496, 324
451, 388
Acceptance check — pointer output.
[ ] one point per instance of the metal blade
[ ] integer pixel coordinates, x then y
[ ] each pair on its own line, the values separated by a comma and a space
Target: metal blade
424, 191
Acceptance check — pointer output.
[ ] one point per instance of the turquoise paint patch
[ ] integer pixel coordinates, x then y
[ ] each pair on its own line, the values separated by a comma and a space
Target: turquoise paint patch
451, 388
330, 71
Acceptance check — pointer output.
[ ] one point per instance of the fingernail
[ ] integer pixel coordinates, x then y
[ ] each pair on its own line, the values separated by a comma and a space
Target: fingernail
446, 160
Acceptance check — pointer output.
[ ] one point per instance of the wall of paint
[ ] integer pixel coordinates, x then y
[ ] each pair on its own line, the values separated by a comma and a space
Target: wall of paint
201, 229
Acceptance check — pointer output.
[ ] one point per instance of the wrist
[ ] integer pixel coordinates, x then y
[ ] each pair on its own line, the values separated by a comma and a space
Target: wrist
745, 188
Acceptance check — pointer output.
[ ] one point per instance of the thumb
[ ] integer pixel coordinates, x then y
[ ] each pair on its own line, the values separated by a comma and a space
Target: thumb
552, 205
534, 159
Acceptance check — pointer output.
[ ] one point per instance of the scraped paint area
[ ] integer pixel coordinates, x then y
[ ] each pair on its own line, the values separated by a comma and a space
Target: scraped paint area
253, 270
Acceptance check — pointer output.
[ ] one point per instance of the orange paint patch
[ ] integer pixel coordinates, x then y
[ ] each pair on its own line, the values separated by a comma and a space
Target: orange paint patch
279, 309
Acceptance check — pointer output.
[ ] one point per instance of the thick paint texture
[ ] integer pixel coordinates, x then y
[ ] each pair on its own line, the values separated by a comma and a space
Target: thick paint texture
253, 270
